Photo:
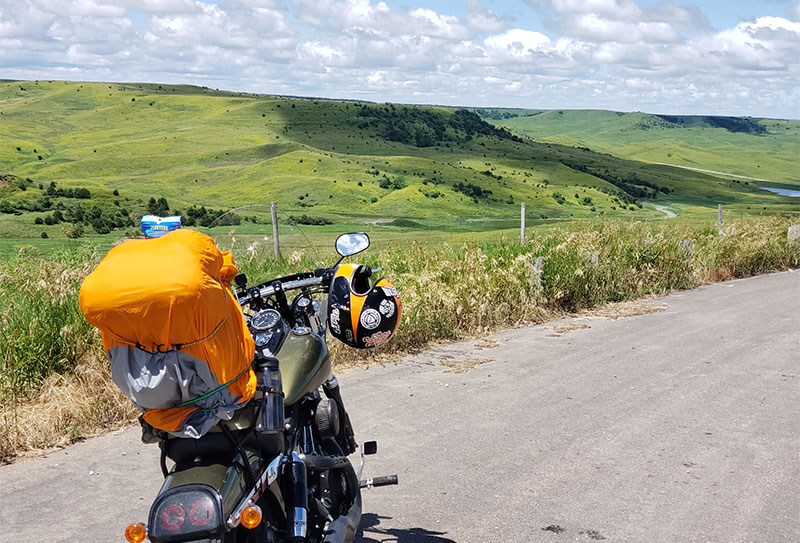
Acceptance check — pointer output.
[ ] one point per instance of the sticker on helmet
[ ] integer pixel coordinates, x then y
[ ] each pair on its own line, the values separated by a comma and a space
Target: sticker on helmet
390, 291
386, 308
370, 319
335, 321
349, 334
377, 339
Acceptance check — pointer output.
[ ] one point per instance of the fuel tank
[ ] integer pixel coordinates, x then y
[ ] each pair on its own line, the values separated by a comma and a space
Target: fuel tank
305, 364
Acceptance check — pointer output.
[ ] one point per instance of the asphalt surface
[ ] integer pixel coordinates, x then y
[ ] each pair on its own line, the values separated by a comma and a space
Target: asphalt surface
675, 426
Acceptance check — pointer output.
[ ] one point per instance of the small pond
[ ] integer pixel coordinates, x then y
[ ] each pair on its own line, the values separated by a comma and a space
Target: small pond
783, 192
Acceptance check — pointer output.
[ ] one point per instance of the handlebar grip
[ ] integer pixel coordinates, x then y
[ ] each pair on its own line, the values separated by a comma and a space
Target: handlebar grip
385, 481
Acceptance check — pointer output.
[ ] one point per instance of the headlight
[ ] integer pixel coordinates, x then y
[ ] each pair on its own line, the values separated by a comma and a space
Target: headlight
186, 512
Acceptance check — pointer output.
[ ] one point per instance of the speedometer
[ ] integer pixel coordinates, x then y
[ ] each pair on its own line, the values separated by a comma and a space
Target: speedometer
265, 320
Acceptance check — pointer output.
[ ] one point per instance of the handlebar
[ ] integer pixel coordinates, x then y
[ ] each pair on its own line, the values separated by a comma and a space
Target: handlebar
269, 290
265, 291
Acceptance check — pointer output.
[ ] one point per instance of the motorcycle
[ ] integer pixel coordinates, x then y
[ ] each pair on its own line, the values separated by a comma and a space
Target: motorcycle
280, 469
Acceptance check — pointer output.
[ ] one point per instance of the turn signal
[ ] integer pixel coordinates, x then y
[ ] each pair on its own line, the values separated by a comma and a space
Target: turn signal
251, 517
135, 533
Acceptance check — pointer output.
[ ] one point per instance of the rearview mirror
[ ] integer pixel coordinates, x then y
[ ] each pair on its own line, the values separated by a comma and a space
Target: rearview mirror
353, 243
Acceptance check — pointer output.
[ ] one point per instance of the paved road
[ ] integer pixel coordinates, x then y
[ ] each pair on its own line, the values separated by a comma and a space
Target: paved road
674, 426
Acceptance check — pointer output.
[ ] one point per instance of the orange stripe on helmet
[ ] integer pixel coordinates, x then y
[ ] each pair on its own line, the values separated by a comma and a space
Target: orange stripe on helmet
356, 302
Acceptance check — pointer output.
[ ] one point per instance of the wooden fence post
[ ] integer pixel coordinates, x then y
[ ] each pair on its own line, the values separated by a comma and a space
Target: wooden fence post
686, 247
274, 210
522, 224
536, 266
719, 216
793, 235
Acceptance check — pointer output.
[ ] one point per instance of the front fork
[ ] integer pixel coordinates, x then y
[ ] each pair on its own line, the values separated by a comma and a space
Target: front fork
346, 439
296, 471
295, 468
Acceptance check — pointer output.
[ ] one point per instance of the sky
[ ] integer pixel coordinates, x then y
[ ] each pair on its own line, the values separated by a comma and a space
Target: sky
709, 57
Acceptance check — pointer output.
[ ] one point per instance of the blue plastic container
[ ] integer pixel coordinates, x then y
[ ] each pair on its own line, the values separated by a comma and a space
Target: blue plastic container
155, 227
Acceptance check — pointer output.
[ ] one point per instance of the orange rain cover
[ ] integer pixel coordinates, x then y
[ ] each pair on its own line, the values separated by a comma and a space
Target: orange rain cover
172, 329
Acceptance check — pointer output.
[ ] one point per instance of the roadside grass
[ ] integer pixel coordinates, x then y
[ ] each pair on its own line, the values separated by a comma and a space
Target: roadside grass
55, 383
43, 330
68, 407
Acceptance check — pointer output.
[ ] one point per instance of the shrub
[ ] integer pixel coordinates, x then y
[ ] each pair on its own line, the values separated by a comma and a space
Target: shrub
305, 219
473, 191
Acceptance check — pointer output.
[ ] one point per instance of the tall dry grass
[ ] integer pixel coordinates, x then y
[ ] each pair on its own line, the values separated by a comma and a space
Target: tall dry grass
457, 291
55, 385
68, 407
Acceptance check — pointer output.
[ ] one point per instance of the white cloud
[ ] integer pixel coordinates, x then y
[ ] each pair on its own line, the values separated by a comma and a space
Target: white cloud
76, 8
158, 6
594, 53
768, 43
481, 19
518, 42
25, 21
439, 26
688, 18
624, 20
592, 27
625, 10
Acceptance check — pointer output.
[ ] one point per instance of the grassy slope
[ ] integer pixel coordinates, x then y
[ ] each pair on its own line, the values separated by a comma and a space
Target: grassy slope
694, 142
198, 146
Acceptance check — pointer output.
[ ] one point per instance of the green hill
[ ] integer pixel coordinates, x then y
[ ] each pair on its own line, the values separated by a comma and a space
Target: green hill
759, 148
103, 154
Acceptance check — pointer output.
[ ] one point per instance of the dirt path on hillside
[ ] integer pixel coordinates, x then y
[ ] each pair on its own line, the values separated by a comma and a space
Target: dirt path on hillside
721, 173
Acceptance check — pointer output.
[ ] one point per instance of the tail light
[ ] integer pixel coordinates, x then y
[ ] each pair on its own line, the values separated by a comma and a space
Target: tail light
188, 510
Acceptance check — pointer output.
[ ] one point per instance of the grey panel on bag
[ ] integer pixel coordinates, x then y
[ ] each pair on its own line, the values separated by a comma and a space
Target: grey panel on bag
164, 380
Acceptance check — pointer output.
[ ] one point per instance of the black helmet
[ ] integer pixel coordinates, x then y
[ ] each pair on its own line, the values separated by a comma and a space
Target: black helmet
360, 315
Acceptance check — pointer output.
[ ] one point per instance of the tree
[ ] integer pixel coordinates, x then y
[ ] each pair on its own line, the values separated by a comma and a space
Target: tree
75, 213
158, 207
163, 206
